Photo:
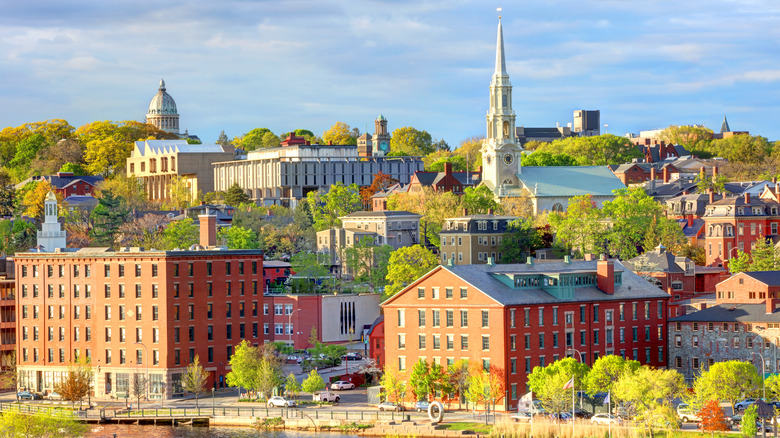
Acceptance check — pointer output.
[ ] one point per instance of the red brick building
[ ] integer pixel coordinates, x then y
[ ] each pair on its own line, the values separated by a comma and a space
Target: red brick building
68, 184
7, 308
136, 312
447, 181
521, 316
376, 341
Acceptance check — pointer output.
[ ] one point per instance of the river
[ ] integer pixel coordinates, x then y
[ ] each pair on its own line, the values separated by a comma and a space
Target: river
133, 431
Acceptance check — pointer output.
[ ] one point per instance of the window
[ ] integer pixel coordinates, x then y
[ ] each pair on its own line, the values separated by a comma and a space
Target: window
401, 341
421, 342
541, 340
464, 318
485, 319
437, 342
450, 342
138, 313
448, 292
526, 317
435, 322
485, 342
450, 318
555, 316
464, 342
420, 292
527, 341
401, 318
464, 292
541, 317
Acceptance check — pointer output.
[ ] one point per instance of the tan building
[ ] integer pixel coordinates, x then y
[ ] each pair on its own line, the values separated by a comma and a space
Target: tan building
394, 228
157, 162
471, 240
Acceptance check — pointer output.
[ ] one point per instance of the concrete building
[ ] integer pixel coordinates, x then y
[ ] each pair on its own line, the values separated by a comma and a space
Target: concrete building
469, 240
744, 324
338, 319
519, 316
157, 162
587, 123
135, 312
395, 228
286, 174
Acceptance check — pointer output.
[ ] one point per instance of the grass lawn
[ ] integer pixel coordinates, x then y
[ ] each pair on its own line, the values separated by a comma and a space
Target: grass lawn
480, 428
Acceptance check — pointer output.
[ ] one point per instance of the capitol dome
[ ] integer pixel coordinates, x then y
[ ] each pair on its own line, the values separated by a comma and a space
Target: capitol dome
162, 111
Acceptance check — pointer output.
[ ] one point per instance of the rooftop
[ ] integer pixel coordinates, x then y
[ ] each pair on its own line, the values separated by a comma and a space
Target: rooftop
745, 313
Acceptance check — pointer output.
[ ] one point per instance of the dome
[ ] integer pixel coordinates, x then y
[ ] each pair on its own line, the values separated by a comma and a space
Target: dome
162, 102
381, 117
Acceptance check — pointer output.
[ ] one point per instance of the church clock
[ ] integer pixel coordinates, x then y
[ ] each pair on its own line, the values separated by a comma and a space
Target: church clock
509, 159
384, 146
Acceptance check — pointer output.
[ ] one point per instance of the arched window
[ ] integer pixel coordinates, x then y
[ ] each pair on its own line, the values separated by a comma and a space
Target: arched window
503, 100
557, 208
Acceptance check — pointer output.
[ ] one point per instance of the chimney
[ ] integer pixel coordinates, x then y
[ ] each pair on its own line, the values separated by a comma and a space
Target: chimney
777, 189
690, 220
747, 198
712, 196
490, 211
652, 173
774, 180
666, 175
714, 173
465, 212
330, 142
529, 261
588, 257
490, 261
771, 305
208, 229
447, 168
605, 275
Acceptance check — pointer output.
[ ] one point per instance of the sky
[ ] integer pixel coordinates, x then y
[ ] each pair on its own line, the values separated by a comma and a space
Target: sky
236, 65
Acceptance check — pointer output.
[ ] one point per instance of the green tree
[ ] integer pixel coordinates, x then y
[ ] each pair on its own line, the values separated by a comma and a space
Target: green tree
772, 384
749, 149
650, 393
606, 372
394, 382
596, 150
306, 264
180, 234
519, 240
730, 381
292, 386
458, 163
740, 263
580, 227
340, 201
269, 376
7, 195
223, 139
130, 189
368, 262
75, 168
251, 140
16, 235
179, 193
410, 141
194, 379
235, 196
106, 156
420, 380
107, 217
471, 149
339, 134
749, 420
313, 383
479, 200
693, 138
763, 255
44, 423
238, 237
244, 364
270, 140
406, 265
542, 158
458, 377
548, 383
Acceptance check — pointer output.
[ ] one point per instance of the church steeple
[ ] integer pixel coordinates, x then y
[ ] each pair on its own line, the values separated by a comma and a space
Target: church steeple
500, 60
501, 153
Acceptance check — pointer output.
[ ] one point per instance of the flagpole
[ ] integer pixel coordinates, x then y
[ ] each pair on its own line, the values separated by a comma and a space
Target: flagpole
572, 407
609, 407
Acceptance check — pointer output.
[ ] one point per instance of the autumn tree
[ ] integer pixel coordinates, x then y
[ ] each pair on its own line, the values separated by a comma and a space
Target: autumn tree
339, 134
471, 150
146, 231
138, 387
34, 199
381, 182
52, 158
713, 419
130, 189
406, 265
109, 144
433, 206
77, 381
194, 379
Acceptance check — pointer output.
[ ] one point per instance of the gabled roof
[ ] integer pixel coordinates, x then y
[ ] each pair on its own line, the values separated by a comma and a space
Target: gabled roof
658, 259
60, 182
744, 313
769, 278
425, 178
379, 214
671, 189
157, 147
569, 181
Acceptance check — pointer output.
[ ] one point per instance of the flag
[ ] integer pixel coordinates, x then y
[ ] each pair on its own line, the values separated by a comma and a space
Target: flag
569, 384
606, 399
528, 397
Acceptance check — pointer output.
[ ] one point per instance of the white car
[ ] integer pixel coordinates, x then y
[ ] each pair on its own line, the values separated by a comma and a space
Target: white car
280, 402
341, 385
604, 419
743, 404
687, 414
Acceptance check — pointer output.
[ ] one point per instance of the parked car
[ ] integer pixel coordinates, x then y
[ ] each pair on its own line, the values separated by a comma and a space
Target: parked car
521, 417
329, 396
604, 419
352, 356
341, 385
743, 404
421, 405
389, 406
686, 414
27, 395
53, 396
581, 413
280, 402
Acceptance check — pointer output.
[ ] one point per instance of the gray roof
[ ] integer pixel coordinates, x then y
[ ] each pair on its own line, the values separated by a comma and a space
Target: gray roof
671, 189
484, 278
770, 278
745, 313
475, 217
569, 181
386, 213
659, 259
173, 146
275, 264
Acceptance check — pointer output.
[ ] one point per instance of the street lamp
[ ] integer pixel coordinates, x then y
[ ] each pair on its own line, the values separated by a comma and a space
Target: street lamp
146, 359
212, 401
289, 327
763, 369
579, 355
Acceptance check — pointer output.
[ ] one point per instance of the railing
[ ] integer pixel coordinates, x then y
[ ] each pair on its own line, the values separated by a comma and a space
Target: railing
259, 412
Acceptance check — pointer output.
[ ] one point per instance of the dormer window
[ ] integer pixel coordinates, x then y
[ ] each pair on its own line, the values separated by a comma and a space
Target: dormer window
740, 211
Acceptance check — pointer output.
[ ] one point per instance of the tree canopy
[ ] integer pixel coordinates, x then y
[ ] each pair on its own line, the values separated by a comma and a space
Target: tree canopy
406, 265
412, 142
339, 134
596, 150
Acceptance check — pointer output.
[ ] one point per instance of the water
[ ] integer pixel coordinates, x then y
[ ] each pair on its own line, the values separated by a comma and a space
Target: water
146, 431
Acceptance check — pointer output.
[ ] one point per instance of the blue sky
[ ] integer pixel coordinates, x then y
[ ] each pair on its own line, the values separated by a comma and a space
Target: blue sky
235, 65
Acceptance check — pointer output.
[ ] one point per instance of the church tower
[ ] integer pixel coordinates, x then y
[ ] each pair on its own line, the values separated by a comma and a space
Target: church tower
51, 236
500, 151
381, 137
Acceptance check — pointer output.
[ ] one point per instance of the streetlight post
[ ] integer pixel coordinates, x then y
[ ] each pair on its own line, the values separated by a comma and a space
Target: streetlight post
212, 401
289, 327
763, 369
579, 355
146, 359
